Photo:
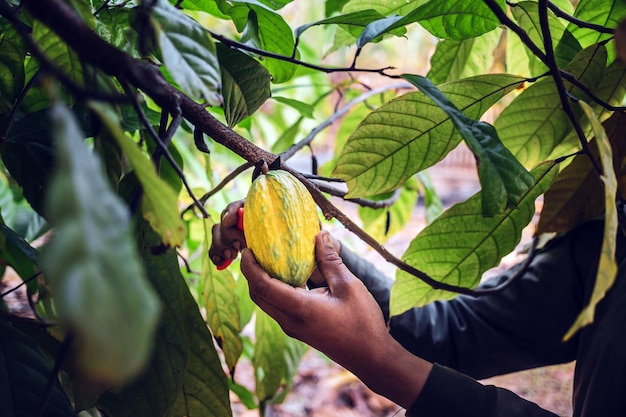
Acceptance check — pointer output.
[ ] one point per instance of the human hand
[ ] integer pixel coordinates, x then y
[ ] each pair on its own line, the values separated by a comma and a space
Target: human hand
228, 238
342, 320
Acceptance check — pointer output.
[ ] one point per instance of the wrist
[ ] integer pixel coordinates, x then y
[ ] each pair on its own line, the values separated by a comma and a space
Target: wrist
396, 373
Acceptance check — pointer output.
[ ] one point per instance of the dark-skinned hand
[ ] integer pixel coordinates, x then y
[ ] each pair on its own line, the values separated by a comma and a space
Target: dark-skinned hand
342, 320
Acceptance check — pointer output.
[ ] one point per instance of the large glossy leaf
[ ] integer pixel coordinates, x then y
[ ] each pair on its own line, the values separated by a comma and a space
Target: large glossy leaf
454, 19
24, 378
269, 356
57, 51
155, 391
205, 390
82, 263
28, 154
454, 60
376, 29
526, 15
159, 203
353, 22
607, 267
273, 34
17, 253
411, 133
606, 13
187, 51
218, 296
503, 179
245, 84
12, 54
534, 123
461, 244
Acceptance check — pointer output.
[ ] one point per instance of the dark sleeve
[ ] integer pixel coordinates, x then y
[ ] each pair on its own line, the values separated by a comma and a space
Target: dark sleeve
515, 329
378, 284
519, 328
451, 394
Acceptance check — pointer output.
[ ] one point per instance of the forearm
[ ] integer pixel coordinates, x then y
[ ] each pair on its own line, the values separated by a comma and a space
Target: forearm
448, 393
394, 373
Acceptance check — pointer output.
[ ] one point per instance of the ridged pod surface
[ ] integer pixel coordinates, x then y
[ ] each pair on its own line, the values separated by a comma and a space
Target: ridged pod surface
280, 224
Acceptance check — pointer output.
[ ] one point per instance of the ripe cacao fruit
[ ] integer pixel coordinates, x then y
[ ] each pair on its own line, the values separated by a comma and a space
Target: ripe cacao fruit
280, 224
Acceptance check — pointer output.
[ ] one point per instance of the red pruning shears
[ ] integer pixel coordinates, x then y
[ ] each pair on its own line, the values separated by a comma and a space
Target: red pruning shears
227, 262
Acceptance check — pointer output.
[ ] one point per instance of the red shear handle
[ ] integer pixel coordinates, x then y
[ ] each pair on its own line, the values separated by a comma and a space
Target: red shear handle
227, 262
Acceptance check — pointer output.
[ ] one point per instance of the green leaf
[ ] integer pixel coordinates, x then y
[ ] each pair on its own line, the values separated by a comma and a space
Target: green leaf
22, 257
58, 51
218, 297
534, 124
432, 202
503, 179
82, 263
269, 356
607, 267
154, 392
12, 55
454, 60
461, 244
526, 14
187, 51
411, 133
353, 22
205, 390
28, 155
24, 378
607, 13
305, 109
375, 30
159, 204
273, 34
245, 84
454, 19
572, 198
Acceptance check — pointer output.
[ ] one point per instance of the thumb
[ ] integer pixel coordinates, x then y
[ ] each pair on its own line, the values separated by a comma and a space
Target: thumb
329, 263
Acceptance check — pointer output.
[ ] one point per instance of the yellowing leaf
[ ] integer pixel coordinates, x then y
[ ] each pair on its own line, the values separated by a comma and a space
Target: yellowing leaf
218, 296
160, 205
607, 268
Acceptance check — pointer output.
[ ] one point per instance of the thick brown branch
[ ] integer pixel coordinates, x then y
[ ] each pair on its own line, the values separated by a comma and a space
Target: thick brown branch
60, 18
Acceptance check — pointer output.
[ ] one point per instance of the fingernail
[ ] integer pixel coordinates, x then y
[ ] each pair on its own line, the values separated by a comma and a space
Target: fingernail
237, 245
228, 254
328, 241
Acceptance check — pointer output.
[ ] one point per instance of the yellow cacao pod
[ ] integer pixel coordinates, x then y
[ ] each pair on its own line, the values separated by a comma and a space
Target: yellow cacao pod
280, 224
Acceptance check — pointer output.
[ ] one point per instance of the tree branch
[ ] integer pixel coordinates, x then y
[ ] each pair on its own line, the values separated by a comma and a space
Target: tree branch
560, 86
60, 18
291, 59
580, 23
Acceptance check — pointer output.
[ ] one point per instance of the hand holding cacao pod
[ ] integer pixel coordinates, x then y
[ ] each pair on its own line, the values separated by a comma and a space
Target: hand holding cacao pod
227, 235
280, 225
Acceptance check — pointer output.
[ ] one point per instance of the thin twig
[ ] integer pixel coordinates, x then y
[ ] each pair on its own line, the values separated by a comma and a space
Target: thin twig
237, 45
560, 86
575, 81
363, 202
580, 23
21, 284
231, 176
168, 156
64, 350
338, 114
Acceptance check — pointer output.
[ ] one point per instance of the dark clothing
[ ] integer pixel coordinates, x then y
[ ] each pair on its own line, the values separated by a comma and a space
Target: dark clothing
519, 328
